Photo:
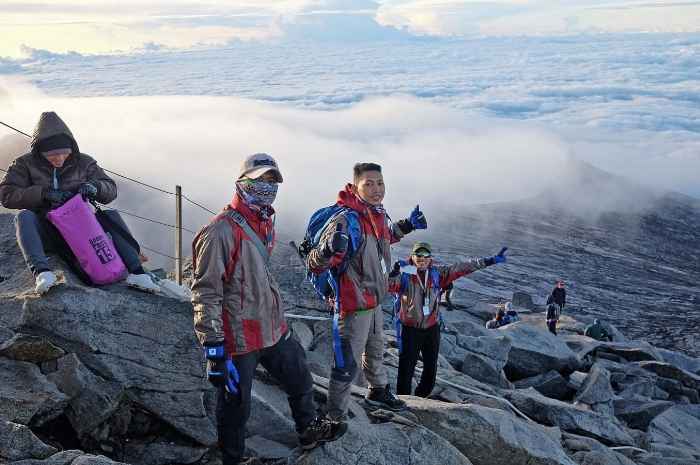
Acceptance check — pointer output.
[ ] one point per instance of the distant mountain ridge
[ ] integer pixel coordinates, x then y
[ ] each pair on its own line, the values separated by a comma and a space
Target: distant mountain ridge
629, 254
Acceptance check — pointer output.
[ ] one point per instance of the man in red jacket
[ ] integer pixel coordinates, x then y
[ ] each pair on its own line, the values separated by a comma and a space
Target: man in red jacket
358, 331
239, 317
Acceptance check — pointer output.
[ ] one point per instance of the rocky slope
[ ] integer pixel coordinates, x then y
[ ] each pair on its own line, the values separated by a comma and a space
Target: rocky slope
104, 375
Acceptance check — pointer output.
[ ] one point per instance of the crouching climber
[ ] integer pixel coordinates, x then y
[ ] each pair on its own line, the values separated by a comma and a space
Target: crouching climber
239, 316
47, 177
504, 316
597, 331
417, 285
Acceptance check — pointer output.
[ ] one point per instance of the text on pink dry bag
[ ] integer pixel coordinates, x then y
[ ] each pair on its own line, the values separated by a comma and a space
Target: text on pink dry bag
93, 248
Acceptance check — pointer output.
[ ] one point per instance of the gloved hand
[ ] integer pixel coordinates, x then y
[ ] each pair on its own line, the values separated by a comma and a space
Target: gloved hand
56, 197
337, 243
395, 270
88, 190
415, 221
499, 258
220, 369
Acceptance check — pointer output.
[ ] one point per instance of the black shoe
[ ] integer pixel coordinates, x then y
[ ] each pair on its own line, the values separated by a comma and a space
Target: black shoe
250, 461
383, 398
320, 430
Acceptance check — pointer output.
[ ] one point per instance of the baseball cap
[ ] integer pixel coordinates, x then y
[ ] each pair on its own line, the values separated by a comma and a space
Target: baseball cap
421, 246
258, 164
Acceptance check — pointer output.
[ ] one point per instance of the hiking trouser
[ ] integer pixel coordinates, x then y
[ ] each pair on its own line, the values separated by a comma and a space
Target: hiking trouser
415, 341
286, 362
359, 336
129, 254
552, 326
33, 233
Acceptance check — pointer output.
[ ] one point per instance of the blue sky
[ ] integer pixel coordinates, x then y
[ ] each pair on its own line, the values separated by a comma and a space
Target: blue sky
102, 26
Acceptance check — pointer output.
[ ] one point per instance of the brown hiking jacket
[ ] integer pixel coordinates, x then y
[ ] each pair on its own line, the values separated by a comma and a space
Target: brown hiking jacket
235, 297
414, 291
31, 174
363, 286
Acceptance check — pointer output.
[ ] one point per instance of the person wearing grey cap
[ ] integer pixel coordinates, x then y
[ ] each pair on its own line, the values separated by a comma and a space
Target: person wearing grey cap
417, 285
239, 316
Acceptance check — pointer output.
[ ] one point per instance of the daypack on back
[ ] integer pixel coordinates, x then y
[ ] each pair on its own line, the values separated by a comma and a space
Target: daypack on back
92, 247
325, 284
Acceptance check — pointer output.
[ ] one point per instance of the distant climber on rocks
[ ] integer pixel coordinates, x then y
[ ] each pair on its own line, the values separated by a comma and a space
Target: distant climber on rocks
597, 331
417, 285
355, 246
45, 178
510, 316
552, 318
239, 316
504, 316
558, 296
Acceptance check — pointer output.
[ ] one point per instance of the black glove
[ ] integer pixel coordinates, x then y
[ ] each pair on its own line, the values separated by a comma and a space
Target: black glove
88, 190
337, 243
395, 270
56, 197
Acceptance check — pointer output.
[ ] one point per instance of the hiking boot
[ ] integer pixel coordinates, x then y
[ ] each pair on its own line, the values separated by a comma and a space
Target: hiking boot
320, 430
142, 282
250, 461
383, 398
45, 281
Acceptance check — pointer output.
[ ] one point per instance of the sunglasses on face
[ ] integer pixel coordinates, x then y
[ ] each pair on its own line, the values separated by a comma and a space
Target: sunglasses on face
422, 255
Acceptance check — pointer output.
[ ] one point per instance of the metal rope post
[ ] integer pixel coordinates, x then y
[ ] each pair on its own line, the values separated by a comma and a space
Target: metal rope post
178, 233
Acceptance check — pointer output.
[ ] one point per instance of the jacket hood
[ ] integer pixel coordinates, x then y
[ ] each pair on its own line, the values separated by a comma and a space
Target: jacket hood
347, 198
373, 216
50, 124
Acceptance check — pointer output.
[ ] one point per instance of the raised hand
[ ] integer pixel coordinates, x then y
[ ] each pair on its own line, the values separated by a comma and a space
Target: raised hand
417, 219
337, 243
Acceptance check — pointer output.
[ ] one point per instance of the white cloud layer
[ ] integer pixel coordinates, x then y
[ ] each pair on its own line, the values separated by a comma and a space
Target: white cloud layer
432, 155
627, 103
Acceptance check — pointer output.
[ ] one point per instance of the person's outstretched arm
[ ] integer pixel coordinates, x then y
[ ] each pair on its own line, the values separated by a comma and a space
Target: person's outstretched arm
450, 273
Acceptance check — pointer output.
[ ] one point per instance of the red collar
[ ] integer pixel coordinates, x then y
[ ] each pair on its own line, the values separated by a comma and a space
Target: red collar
252, 215
374, 221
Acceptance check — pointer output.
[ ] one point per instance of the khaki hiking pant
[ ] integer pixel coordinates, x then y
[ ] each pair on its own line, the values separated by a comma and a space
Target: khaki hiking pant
358, 336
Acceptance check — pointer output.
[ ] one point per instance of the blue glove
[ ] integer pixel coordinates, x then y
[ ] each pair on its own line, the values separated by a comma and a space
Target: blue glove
88, 190
417, 219
220, 369
500, 258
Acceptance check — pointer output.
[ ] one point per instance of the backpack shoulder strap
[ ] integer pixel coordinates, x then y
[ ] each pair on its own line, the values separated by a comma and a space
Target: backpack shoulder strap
254, 238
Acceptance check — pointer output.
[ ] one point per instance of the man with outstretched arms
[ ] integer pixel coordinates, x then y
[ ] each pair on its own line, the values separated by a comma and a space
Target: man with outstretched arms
239, 318
417, 285
360, 235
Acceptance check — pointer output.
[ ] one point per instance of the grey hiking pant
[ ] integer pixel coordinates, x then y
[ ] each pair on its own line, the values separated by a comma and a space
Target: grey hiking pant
34, 233
358, 336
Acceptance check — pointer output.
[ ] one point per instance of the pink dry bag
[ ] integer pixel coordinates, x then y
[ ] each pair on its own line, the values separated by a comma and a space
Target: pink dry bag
93, 248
